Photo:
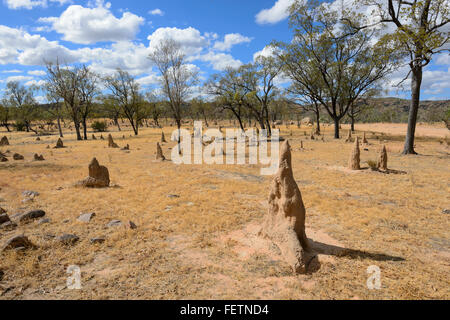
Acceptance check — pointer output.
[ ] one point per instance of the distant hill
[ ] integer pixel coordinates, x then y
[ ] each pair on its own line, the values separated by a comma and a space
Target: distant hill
396, 110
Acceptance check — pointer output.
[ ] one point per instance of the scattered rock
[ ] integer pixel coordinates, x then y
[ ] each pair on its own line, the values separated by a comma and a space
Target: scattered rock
44, 221
59, 144
8, 226
18, 157
132, 225
126, 148
38, 139
354, 162
383, 159
4, 141
32, 215
98, 240
17, 242
114, 224
2, 210
86, 217
285, 221
3, 158
98, 176
30, 194
38, 157
68, 239
4, 218
173, 196
111, 143
446, 211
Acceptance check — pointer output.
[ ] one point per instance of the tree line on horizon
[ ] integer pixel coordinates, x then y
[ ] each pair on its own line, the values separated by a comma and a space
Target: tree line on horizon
335, 66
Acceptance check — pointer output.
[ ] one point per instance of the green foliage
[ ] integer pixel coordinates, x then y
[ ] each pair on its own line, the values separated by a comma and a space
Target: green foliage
20, 126
100, 126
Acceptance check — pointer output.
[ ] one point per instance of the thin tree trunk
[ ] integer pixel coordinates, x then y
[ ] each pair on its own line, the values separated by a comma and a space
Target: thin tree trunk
336, 128
58, 121
416, 83
85, 128
318, 132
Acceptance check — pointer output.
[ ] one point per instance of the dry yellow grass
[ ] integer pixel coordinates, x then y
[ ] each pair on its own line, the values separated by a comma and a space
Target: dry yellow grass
204, 244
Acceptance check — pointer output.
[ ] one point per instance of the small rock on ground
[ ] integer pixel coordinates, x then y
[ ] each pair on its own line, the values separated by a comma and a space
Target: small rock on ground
68, 239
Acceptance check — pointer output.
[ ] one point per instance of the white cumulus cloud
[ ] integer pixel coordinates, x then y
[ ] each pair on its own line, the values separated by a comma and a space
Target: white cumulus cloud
277, 13
231, 40
83, 25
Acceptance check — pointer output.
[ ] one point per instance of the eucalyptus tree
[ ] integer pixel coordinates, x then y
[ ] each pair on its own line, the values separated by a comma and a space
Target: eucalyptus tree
125, 92
228, 93
177, 78
22, 102
344, 65
65, 83
420, 31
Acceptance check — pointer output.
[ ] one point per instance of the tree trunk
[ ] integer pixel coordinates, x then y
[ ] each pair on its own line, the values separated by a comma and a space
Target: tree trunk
336, 128
116, 121
416, 83
77, 129
85, 128
58, 120
353, 123
318, 123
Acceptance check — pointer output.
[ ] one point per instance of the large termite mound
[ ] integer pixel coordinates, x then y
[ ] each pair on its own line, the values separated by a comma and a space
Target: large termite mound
284, 223
98, 176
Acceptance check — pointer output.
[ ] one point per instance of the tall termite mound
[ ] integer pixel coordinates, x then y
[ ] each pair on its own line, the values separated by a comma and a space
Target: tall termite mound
365, 139
159, 153
355, 158
284, 223
349, 137
111, 143
383, 159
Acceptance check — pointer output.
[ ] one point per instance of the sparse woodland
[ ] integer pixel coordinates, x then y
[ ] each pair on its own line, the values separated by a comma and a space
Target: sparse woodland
87, 179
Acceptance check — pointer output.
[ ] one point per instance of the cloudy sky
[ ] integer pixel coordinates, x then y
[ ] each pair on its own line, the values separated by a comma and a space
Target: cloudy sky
118, 33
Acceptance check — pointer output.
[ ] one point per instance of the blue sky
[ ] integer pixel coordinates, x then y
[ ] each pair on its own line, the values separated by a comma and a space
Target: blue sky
118, 33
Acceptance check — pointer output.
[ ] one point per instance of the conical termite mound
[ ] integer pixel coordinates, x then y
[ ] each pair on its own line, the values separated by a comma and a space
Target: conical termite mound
355, 158
111, 143
383, 159
284, 223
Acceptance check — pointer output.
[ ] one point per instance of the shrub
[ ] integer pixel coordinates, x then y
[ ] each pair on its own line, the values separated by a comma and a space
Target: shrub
373, 165
20, 126
99, 126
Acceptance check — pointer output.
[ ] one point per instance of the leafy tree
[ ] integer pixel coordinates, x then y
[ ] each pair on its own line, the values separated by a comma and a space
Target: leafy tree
21, 100
125, 92
334, 66
421, 31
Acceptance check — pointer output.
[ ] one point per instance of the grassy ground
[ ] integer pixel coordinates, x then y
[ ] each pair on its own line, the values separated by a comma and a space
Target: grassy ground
204, 243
